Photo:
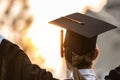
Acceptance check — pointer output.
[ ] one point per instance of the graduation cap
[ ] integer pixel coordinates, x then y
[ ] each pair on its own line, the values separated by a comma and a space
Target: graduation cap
82, 31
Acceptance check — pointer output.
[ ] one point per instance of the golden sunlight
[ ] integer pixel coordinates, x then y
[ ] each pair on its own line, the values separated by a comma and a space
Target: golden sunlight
46, 37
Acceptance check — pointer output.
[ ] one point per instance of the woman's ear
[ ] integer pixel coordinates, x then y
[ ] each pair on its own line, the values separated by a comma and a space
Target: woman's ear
96, 53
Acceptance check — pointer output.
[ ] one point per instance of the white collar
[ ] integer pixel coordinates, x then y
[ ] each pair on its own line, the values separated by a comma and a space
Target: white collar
1, 38
87, 71
89, 74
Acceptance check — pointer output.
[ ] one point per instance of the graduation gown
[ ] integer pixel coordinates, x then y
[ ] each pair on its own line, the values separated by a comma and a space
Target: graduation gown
15, 64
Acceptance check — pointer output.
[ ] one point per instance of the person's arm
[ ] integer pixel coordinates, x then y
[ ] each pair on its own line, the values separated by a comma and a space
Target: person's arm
114, 74
33, 71
17, 65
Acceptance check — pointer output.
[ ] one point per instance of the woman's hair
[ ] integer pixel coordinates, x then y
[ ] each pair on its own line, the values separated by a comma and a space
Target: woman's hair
75, 62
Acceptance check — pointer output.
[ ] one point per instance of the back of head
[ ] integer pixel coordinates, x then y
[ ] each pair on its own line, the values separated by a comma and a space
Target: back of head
75, 62
79, 61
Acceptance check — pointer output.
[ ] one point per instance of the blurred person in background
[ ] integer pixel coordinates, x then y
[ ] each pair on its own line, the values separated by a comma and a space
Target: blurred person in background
114, 74
16, 65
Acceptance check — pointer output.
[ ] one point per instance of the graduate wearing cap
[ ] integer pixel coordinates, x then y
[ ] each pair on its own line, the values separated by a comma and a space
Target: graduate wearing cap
80, 48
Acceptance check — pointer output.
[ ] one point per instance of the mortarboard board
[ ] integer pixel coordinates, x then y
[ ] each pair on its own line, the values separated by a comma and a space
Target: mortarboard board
82, 31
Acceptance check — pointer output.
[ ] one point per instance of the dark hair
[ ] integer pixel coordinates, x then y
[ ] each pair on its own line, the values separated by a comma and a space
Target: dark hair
78, 62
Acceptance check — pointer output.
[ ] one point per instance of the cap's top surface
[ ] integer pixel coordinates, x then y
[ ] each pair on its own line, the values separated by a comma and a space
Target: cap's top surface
83, 24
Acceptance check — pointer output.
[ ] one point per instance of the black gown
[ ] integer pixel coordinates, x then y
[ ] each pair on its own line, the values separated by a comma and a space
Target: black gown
15, 64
